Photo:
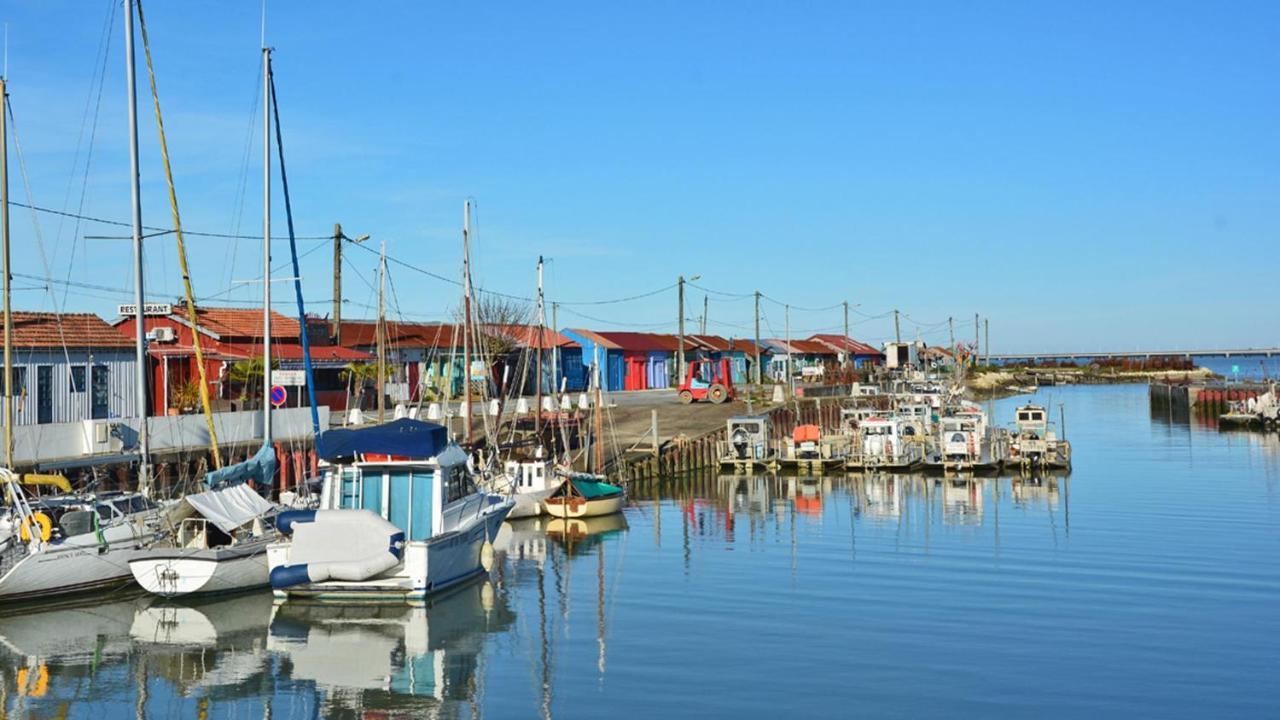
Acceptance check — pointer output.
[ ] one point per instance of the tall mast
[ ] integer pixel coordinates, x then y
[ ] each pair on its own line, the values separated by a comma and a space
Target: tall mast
466, 319
382, 334
266, 246
542, 324
8, 312
140, 332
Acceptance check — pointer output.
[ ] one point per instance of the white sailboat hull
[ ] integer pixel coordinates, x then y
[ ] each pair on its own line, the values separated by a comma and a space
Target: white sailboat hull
65, 571
174, 573
585, 509
529, 504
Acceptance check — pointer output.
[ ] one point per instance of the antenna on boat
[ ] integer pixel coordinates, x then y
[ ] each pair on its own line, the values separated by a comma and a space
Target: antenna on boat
140, 338
466, 320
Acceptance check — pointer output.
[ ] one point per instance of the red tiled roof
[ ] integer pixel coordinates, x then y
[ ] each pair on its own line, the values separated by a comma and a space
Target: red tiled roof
239, 322
811, 347
41, 329
646, 342
528, 336
841, 343
319, 353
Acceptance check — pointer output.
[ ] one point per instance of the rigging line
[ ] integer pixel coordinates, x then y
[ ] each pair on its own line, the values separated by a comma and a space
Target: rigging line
237, 213
452, 281
235, 286
293, 253
105, 46
188, 233
35, 221
188, 293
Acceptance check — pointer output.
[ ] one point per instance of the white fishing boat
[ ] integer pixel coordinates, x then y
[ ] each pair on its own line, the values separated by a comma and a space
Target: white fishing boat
1035, 442
966, 443
882, 444
530, 483
219, 546
400, 518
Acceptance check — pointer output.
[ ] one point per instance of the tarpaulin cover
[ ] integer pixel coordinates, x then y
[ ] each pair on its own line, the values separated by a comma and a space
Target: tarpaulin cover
229, 508
405, 437
261, 468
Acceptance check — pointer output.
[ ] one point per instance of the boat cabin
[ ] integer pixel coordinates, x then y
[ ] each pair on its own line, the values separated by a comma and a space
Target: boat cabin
881, 437
748, 437
1032, 421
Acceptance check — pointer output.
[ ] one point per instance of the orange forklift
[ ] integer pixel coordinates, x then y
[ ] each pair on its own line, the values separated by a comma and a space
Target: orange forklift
707, 380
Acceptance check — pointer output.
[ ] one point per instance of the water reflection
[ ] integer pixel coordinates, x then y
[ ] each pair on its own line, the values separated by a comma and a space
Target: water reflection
245, 655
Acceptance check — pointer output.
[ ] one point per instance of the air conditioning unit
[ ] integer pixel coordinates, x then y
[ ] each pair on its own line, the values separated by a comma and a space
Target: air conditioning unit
163, 334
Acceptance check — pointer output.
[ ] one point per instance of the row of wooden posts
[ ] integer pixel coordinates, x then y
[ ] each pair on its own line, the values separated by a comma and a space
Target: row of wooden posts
682, 455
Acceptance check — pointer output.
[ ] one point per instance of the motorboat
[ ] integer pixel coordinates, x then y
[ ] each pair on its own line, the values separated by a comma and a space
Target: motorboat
530, 483
883, 444
400, 518
1035, 442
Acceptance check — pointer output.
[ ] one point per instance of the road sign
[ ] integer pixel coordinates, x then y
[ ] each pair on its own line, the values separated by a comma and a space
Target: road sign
289, 377
278, 395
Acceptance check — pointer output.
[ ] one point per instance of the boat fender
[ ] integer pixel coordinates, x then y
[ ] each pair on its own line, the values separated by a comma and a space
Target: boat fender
286, 520
40, 520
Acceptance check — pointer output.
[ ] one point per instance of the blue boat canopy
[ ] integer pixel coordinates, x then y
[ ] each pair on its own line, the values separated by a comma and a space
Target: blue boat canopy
260, 468
409, 438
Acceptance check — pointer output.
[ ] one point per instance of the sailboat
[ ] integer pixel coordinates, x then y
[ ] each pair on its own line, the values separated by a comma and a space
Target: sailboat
583, 495
400, 517
224, 547
74, 542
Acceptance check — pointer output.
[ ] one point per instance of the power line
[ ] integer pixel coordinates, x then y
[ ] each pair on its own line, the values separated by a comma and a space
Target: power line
190, 233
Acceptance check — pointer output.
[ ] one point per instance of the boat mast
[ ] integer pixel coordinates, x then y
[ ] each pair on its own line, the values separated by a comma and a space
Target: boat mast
266, 246
382, 334
466, 320
140, 332
8, 311
542, 324
599, 425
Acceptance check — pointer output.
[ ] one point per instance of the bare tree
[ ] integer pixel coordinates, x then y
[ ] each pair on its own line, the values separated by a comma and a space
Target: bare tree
499, 324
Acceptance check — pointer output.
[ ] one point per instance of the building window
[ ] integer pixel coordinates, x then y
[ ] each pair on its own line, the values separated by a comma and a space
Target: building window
77, 378
44, 394
100, 395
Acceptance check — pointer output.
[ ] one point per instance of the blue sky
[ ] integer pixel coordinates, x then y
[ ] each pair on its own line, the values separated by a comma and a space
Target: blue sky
1094, 175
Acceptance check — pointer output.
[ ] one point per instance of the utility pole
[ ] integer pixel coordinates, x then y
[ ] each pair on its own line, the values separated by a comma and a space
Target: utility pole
337, 284
845, 342
951, 331
986, 342
897, 331
382, 334
338, 237
705, 302
791, 375
759, 376
680, 313
976, 327
555, 350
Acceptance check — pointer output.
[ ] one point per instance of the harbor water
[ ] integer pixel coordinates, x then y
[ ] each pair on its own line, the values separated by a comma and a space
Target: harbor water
1145, 583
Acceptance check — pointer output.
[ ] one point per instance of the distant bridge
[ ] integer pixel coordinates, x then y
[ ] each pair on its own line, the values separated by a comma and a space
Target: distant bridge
1134, 354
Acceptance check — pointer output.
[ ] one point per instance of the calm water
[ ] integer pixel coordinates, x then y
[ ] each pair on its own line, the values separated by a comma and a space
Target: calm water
1146, 584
